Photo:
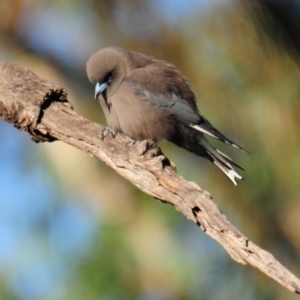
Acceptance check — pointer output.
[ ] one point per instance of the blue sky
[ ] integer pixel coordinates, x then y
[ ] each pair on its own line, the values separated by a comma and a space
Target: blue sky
55, 30
38, 230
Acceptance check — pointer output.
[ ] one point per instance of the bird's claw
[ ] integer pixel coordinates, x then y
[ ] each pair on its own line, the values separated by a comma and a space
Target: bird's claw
107, 131
132, 143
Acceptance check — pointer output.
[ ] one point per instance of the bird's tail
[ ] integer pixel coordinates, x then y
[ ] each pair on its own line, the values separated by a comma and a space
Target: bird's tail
222, 161
195, 141
206, 128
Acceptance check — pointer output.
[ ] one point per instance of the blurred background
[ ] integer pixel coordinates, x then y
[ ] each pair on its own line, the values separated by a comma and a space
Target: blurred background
71, 228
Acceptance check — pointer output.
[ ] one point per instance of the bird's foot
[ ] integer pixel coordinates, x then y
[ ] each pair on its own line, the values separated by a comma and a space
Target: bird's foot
132, 143
106, 131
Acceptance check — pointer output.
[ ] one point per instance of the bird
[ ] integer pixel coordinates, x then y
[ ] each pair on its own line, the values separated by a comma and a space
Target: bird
146, 98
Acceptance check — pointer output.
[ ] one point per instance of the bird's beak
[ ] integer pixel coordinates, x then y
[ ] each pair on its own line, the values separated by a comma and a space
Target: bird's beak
100, 88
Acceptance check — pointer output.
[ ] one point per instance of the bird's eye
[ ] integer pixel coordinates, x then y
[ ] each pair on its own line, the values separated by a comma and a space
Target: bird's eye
108, 77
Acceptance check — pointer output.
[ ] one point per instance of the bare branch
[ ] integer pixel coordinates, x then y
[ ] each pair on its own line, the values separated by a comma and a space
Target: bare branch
40, 108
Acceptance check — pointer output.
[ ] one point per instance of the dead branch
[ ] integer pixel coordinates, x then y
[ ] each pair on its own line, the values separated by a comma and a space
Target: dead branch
34, 105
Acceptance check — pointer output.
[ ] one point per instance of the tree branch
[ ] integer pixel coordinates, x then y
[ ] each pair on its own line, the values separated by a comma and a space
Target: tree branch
34, 105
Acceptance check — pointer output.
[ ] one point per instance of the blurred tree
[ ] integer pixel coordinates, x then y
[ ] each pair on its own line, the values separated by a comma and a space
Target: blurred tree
132, 247
280, 19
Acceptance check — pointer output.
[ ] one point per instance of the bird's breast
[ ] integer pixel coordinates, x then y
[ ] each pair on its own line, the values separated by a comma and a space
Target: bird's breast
110, 113
137, 117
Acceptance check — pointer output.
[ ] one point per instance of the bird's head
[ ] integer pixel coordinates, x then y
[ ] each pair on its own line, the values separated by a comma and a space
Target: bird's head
106, 69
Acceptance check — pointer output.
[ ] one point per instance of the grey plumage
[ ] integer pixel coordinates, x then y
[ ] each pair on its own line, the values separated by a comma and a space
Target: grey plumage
147, 98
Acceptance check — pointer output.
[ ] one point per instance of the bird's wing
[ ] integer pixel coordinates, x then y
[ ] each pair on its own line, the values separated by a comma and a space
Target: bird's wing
172, 92
177, 106
165, 87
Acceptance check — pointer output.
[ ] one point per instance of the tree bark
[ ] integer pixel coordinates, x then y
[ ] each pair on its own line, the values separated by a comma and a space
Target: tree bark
34, 105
